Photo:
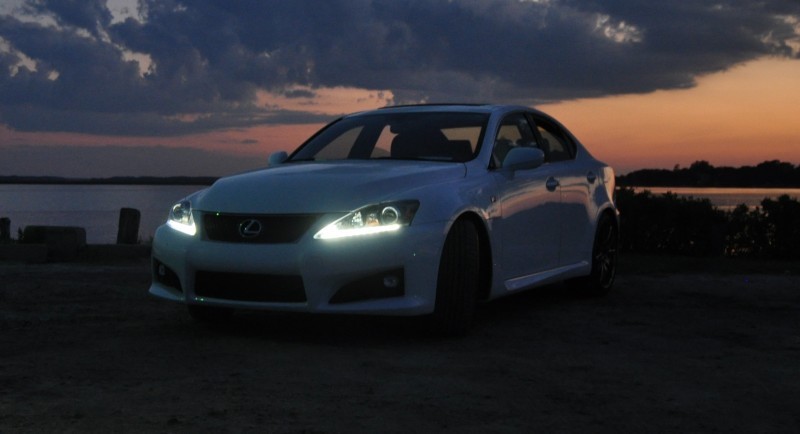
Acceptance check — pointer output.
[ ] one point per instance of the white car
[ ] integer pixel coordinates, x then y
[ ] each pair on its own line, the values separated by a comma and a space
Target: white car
407, 210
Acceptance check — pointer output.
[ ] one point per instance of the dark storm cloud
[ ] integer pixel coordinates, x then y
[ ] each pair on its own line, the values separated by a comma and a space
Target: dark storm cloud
90, 15
206, 59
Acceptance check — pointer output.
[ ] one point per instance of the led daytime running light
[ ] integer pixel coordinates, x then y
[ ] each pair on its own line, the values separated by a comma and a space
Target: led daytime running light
180, 218
369, 220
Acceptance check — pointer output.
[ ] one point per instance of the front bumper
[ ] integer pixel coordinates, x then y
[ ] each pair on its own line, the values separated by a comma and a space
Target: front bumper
387, 274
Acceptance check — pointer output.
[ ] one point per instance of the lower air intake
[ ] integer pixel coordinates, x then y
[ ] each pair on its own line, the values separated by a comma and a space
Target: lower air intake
250, 287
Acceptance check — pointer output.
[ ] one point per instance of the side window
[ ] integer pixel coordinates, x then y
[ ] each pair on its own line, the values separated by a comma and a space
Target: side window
555, 143
513, 132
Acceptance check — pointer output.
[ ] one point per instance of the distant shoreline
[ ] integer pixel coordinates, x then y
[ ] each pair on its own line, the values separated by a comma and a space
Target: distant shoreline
772, 174
116, 180
769, 174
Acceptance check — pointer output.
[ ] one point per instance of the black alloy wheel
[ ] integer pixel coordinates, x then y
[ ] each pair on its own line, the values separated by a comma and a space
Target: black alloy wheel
604, 257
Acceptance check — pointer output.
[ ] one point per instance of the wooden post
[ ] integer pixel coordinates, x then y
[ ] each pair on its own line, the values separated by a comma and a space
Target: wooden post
5, 230
128, 232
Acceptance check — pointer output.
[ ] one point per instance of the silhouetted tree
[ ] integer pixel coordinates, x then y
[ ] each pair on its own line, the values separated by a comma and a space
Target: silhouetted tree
772, 173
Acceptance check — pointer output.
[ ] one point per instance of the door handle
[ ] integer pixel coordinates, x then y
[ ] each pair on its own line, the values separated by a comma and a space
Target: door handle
552, 184
591, 177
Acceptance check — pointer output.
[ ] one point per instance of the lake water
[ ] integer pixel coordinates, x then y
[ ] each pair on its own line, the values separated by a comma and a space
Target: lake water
727, 198
96, 207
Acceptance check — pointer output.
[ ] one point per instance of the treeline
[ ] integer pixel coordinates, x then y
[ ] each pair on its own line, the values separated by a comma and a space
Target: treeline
674, 225
769, 174
116, 180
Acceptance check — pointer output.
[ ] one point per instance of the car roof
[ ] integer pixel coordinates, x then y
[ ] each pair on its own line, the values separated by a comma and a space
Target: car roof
450, 107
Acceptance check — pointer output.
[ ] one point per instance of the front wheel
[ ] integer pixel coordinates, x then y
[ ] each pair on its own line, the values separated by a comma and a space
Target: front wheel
457, 284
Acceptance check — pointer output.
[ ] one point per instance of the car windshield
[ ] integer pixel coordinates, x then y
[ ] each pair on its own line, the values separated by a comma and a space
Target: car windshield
440, 136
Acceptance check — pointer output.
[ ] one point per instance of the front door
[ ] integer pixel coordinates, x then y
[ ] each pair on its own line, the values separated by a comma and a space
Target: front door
529, 227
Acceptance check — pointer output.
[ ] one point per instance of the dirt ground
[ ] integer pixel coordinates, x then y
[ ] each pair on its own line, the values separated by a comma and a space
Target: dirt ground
84, 348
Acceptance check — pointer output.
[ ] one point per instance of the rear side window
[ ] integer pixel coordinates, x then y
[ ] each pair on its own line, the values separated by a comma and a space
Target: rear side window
554, 141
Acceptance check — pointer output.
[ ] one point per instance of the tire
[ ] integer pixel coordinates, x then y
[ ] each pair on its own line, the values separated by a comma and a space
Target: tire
604, 259
209, 314
457, 281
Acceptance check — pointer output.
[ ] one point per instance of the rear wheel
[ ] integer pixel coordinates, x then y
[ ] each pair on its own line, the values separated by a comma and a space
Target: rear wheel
604, 258
209, 314
457, 284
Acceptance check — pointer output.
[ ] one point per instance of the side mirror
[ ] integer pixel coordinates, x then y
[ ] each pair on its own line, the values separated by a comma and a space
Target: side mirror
277, 158
523, 159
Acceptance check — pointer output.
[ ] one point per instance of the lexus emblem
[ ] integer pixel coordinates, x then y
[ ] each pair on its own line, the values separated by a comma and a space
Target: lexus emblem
250, 228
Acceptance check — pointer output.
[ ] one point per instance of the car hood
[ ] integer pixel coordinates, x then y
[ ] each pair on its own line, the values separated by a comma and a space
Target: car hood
342, 186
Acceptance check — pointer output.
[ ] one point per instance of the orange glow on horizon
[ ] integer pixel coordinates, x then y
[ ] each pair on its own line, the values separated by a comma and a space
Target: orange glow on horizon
742, 116
327, 100
259, 140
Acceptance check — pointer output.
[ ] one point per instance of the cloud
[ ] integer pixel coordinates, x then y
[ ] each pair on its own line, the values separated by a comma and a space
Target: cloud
90, 15
107, 161
184, 67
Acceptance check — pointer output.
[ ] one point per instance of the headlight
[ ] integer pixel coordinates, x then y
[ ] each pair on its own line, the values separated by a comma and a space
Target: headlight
180, 218
372, 219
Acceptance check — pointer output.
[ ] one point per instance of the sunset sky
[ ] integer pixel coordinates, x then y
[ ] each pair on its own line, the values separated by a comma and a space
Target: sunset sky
119, 87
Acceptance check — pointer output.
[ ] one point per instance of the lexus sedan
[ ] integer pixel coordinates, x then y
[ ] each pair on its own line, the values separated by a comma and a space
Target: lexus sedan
421, 210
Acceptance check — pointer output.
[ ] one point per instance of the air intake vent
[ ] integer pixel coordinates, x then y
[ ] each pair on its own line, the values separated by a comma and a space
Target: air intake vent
250, 287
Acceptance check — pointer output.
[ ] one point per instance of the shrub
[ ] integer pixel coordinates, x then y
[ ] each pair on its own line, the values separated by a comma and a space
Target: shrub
746, 233
670, 224
782, 218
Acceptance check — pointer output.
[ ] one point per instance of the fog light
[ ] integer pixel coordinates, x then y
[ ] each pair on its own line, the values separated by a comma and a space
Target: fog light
165, 276
385, 284
391, 281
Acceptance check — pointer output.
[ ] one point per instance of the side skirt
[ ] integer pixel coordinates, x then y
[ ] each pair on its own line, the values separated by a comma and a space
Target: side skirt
549, 276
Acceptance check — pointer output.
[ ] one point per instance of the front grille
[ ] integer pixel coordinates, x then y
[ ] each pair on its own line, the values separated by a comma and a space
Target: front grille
250, 287
257, 229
